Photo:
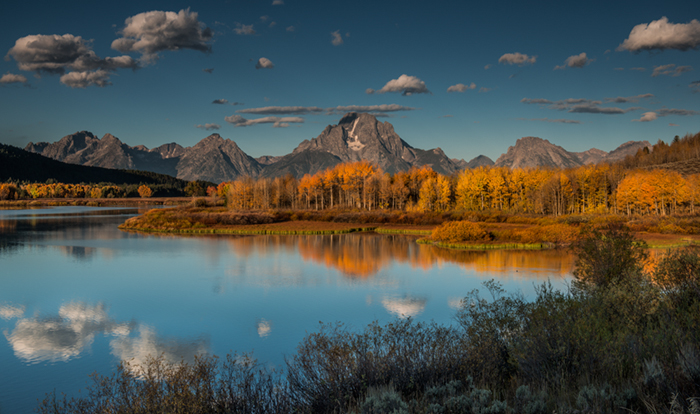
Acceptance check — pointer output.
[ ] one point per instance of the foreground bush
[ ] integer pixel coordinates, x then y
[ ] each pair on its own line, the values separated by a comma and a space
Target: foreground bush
621, 341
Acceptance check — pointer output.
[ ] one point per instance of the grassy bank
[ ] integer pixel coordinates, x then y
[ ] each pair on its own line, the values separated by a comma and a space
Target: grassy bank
96, 202
466, 230
622, 339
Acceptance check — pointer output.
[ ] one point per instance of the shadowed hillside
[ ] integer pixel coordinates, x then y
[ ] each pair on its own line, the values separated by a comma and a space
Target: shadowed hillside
20, 165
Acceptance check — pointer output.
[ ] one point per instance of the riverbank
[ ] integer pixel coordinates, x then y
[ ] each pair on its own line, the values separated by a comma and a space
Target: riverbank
491, 232
95, 202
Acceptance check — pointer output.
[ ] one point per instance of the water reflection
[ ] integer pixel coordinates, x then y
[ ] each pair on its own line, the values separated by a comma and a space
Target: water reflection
8, 312
404, 307
264, 328
56, 225
363, 256
137, 351
65, 336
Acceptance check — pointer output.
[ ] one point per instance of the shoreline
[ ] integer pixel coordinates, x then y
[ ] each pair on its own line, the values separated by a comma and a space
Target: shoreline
291, 225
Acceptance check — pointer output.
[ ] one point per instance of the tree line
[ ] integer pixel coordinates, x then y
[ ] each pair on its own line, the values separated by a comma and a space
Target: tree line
601, 188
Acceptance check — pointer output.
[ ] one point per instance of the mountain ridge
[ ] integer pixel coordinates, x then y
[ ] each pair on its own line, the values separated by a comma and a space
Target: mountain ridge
357, 136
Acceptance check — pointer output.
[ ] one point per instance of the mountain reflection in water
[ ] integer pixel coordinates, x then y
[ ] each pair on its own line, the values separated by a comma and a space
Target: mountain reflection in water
362, 256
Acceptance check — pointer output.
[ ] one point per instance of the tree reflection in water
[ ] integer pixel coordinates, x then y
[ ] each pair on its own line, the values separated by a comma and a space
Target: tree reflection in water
362, 256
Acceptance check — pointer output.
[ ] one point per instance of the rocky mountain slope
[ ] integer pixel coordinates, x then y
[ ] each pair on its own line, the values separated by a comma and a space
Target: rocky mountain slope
213, 159
359, 137
356, 137
626, 149
535, 152
538, 152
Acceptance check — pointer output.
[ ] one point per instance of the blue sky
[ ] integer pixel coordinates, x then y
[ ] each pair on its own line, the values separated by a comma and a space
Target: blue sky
549, 69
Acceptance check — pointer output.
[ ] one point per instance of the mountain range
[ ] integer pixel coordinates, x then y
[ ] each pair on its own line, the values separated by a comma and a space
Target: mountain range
356, 137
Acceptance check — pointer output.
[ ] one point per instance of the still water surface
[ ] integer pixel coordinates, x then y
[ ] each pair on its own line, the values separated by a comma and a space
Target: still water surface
77, 294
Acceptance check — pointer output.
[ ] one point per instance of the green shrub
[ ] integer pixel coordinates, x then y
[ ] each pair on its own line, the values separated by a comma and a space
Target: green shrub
383, 400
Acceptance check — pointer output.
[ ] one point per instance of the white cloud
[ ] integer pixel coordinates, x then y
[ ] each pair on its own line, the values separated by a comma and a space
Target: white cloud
208, 127
208, 70
660, 35
243, 29
264, 63
672, 124
84, 79
460, 87
155, 31
575, 61
670, 70
220, 101
407, 85
484, 89
337, 38
369, 91
291, 28
517, 59
647, 117
12, 78
276, 122
695, 86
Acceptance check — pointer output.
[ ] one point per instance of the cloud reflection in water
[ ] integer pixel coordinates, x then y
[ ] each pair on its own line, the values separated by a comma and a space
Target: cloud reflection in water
65, 336
404, 307
137, 351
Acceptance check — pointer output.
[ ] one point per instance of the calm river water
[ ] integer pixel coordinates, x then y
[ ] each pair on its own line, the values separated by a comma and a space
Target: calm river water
77, 294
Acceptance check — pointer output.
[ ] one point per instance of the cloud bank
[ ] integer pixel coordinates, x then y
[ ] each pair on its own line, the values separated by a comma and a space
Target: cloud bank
152, 32
661, 35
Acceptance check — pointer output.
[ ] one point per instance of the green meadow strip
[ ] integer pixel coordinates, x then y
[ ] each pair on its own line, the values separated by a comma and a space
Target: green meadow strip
241, 231
494, 246
403, 231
